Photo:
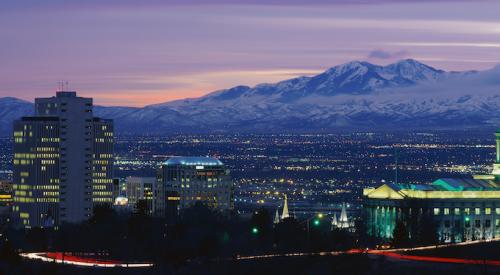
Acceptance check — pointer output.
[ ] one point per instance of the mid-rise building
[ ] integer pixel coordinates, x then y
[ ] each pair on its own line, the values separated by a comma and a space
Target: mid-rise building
63, 162
187, 180
142, 189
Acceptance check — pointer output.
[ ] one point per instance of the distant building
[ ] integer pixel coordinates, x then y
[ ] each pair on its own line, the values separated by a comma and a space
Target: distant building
455, 209
284, 213
117, 192
63, 162
142, 189
6, 200
6, 189
187, 180
343, 222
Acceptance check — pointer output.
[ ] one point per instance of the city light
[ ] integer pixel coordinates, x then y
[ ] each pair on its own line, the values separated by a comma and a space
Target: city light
255, 230
60, 258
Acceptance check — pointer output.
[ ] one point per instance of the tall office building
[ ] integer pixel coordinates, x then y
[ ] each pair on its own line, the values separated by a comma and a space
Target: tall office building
63, 162
187, 180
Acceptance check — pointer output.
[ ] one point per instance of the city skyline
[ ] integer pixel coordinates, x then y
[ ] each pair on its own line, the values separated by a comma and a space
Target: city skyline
250, 136
134, 56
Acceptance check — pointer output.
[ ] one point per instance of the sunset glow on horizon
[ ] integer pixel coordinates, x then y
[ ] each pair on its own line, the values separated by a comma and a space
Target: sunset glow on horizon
123, 54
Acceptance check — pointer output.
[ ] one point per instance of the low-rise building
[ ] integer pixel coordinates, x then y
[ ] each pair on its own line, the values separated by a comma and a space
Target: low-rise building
454, 209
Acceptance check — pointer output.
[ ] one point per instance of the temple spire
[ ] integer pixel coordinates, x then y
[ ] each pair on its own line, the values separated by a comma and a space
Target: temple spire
285, 214
334, 221
343, 222
276, 217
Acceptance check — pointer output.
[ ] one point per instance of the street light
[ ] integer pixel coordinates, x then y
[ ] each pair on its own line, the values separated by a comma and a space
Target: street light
255, 230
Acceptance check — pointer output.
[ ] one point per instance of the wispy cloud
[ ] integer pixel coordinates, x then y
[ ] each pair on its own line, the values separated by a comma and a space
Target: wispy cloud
140, 52
144, 3
447, 44
382, 54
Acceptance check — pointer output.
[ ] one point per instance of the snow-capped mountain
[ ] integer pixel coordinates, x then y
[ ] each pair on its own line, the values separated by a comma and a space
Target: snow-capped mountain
10, 109
355, 95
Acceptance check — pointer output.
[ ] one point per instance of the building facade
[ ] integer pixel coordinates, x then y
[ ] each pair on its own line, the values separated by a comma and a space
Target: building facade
142, 188
455, 210
6, 200
187, 180
63, 162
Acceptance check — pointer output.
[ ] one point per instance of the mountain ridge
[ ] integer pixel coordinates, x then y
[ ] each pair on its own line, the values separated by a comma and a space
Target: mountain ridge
353, 95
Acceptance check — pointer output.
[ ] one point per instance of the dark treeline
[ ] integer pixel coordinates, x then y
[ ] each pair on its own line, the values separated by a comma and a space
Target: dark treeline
202, 241
199, 234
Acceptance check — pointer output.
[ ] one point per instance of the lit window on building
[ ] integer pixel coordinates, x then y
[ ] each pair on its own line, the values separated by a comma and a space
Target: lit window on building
477, 211
467, 211
447, 211
436, 211
457, 211
487, 211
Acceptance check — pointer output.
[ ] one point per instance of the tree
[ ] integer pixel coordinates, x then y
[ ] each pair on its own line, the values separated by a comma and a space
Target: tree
260, 223
141, 207
290, 235
37, 238
400, 235
427, 233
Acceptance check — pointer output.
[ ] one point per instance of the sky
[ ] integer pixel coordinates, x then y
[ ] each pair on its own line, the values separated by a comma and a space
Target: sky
135, 53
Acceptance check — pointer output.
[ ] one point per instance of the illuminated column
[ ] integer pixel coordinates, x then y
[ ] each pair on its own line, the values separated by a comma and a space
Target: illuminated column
496, 165
497, 134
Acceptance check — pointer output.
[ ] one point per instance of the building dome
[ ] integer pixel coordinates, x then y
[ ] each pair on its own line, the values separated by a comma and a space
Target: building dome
205, 161
121, 201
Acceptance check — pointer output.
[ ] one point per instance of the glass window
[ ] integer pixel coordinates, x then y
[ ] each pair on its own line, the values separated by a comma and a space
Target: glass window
457, 211
467, 223
467, 211
497, 222
487, 211
477, 211
436, 211
478, 223
487, 223
497, 210
447, 211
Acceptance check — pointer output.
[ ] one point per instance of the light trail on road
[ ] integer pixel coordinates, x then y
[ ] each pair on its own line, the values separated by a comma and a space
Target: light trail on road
59, 258
393, 253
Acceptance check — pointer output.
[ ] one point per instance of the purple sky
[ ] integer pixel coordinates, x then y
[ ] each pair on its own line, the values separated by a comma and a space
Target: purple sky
122, 53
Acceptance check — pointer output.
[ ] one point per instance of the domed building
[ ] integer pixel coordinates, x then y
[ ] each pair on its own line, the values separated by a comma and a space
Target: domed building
187, 180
